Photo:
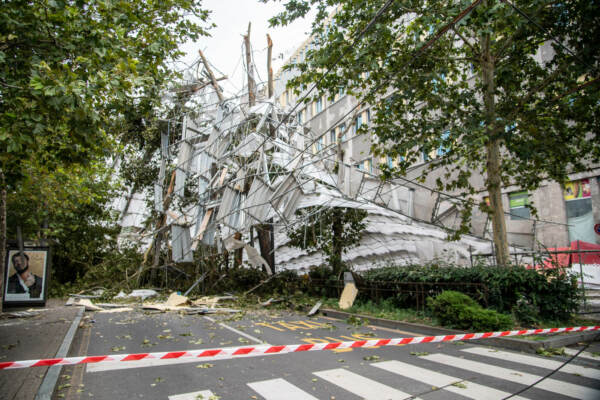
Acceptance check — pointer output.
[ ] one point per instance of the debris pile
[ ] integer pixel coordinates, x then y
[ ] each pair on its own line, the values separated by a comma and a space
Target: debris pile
175, 302
253, 166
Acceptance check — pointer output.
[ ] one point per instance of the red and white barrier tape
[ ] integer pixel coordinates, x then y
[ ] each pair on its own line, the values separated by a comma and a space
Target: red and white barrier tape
268, 349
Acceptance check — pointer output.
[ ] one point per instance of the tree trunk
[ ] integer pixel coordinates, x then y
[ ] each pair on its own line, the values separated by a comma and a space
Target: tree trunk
264, 233
213, 80
156, 259
249, 67
2, 235
494, 167
494, 187
238, 253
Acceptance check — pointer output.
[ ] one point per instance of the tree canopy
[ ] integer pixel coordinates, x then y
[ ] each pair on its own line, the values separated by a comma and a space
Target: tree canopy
70, 71
79, 82
509, 90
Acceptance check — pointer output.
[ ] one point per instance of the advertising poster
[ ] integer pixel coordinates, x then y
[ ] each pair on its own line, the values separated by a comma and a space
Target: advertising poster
26, 275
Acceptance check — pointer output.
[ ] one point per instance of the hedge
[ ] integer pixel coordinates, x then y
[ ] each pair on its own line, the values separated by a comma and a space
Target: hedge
529, 295
552, 294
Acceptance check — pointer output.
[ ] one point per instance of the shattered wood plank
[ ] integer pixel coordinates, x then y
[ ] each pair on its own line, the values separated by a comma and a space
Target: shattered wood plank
210, 302
175, 300
202, 229
348, 296
223, 176
116, 310
178, 219
89, 306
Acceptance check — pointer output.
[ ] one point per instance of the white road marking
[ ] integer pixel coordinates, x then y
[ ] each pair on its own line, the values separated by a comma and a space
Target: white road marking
429, 377
117, 365
583, 354
237, 331
524, 378
363, 387
535, 361
202, 395
279, 389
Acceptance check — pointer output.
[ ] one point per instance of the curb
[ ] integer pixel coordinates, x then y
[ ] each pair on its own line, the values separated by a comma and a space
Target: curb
49, 383
529, 346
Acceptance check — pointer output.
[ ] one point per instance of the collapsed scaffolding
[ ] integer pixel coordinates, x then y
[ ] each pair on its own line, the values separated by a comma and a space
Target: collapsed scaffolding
254, 166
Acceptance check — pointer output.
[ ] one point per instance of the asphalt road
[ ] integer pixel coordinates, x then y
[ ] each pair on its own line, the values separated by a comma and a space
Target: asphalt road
426, 371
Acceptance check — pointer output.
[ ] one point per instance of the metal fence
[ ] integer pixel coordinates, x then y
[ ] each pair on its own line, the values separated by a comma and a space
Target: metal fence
540, 259
403, 294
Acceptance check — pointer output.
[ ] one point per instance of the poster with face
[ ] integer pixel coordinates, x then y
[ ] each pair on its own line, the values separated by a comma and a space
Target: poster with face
25, 279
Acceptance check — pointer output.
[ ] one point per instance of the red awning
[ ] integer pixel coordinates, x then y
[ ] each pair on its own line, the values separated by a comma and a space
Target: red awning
567, 259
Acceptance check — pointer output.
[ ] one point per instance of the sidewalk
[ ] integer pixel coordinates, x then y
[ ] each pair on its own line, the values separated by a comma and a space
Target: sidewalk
31, 338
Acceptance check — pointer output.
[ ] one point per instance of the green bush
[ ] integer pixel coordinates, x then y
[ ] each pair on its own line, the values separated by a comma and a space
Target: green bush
457, 310
552, 294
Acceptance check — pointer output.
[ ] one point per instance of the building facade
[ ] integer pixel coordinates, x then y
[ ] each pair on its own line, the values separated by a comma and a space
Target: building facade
564, 214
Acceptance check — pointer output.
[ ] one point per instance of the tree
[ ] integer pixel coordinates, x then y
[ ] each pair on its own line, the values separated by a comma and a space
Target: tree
71, 71
332, 230
68, 207
479, 93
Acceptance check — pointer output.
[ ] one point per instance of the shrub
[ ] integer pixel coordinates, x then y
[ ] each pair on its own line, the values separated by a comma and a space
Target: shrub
525, 312
457, 310
552, 294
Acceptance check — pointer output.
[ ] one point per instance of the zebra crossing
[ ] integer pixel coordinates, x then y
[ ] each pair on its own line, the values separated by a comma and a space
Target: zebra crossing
584, 354
473, 360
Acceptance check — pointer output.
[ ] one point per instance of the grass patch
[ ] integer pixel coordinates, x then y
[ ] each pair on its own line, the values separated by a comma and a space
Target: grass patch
386, 309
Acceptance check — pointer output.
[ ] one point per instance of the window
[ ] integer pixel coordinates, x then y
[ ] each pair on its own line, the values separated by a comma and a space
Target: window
519, 205
369, 115
368, 165
443, 149
357, 123
426, 156
390, 162
320, 144
436, 82
580, 215
300, 117
360, 166
578, 198
343, 131
332, 136
319, 105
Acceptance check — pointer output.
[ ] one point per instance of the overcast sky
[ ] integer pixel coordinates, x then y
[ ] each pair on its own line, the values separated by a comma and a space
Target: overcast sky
224, 49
